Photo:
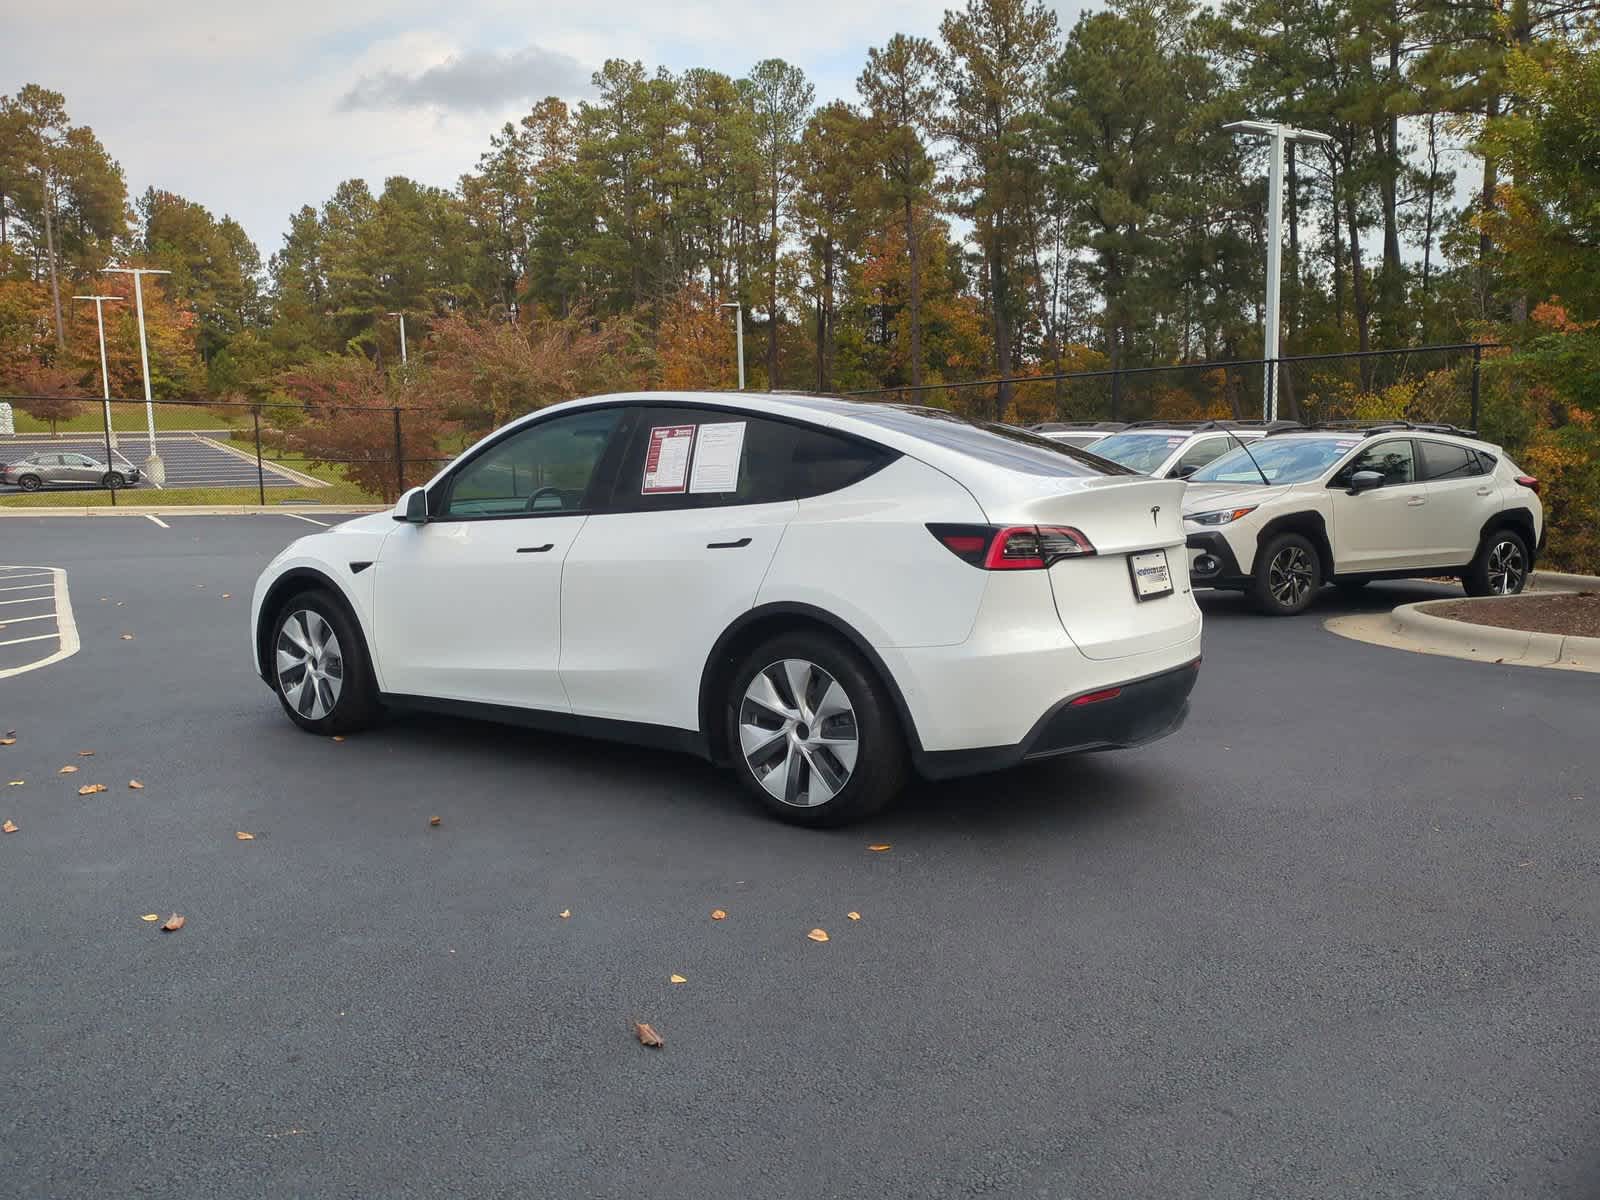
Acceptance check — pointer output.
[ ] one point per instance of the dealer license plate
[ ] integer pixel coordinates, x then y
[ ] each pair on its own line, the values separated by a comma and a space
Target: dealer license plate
1152, 578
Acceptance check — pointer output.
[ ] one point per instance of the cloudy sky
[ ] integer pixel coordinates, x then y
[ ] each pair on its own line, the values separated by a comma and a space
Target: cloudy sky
255, 110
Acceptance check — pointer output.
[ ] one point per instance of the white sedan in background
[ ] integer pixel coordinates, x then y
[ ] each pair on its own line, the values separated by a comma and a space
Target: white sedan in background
822, 594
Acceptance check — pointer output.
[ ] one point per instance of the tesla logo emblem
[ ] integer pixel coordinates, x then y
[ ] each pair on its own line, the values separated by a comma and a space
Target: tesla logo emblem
1155, 514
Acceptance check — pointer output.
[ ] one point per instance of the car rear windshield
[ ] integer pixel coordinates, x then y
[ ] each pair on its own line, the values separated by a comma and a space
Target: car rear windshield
988, 441
1143, 452
1280, 459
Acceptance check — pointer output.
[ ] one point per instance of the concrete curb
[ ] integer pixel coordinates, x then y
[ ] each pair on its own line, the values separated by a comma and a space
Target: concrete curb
1412, 627
1545, 581
189, 510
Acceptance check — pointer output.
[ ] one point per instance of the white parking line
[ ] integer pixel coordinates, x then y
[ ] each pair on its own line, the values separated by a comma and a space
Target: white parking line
25, 587
298, 517
157, 520
26, 600
4, 621
66, 634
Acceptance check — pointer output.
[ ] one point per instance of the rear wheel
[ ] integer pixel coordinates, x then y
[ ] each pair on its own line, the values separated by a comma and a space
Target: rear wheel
1288, 574
30, 483
1501, 565
112, 479
319, 667
812, 731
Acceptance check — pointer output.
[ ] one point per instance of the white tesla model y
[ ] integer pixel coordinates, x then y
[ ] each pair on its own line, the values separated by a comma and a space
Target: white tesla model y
823, 595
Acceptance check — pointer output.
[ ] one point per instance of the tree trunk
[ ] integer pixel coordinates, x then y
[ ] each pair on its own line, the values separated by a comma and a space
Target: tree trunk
772, 297
1358, 288
50, 253
1491, 184
999, 297
914, 259
1338, 243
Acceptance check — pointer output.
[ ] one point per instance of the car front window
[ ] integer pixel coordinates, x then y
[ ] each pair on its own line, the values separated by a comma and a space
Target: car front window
1142, 452
1281, 460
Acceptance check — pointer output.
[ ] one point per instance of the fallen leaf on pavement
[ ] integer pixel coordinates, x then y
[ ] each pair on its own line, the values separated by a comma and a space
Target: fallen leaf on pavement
172, 924
338, 737
818, 935
119, 603
880, 848
151, 917
718, 915
227, 595
8, 741
647, 1036
245, 837
67, 770
854, 916
676, 979
135, 785
127, 637
433, 820
8, 827
1527, 862
90, 789
85, 753
565, 913
16, 783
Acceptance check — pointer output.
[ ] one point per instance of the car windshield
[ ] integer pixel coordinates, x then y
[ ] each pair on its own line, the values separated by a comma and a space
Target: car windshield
1143, 451
1281, 460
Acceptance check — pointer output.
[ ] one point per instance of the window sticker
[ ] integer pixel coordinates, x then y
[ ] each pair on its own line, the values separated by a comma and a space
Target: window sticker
1176, 441
1349, 445
716, 457
666, 463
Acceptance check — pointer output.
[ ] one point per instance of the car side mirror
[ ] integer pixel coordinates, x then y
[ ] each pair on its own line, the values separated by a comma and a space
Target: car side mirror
1365, 481
413, 507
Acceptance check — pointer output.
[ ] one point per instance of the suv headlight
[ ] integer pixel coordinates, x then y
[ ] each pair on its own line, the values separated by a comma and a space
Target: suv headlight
1220, 516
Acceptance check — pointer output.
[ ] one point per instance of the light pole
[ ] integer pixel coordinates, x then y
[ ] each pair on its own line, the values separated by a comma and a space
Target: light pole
402, 317
154, 468
105, 377
1279, 133
738, 313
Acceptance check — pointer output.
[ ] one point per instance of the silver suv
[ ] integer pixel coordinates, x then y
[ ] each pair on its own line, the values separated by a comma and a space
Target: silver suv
66, 467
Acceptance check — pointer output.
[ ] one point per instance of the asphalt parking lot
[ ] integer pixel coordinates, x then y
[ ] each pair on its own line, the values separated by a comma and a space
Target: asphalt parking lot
198, 458
1335, 938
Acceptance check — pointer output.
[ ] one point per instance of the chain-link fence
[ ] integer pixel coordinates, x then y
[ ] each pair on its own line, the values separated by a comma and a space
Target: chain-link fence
75, 451
1433, 383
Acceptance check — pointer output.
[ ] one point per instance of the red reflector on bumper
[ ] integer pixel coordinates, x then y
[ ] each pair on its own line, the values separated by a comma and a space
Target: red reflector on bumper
1095, 697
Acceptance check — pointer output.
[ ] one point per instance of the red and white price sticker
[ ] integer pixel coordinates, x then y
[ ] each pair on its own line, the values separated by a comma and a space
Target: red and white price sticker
666, 462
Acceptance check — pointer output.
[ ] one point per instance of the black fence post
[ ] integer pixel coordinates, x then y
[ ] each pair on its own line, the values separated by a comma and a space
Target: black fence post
261, 478
111, 463
1477, 373
1116, 394
399, 456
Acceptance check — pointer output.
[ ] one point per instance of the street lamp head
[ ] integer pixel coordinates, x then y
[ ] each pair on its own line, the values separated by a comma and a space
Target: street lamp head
734, 305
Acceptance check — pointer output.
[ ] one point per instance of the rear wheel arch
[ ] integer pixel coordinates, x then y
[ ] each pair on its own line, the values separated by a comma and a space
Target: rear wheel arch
1518, 520
285, 588
1309, 525
767, 621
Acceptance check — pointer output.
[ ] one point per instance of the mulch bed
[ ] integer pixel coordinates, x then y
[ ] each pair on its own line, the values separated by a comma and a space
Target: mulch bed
1573, 613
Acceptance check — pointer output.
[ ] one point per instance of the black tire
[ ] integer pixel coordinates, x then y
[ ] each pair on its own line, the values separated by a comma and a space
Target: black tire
881, 761
1287, 575
1501, 566
30, 483
113, 480
355, 706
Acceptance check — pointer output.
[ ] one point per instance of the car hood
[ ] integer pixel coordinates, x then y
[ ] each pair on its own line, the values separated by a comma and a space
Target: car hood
1208, 497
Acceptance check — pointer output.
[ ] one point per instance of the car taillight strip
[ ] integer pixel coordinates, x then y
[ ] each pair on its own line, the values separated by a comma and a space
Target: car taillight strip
1012, 547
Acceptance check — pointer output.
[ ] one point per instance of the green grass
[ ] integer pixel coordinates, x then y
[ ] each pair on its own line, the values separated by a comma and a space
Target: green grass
130, 418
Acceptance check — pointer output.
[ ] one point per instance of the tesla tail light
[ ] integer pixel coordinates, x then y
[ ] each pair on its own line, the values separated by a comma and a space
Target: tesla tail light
1012, 547
1529, 482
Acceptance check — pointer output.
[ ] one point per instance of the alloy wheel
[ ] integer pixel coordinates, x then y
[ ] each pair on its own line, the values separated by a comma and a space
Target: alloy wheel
1506, 568
798, 732
310, 665
1289, 576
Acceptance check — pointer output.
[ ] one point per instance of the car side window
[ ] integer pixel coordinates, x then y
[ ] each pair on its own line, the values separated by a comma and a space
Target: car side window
48, 460
77, 460
543, 469
1393, 460
1442, 461
1203, 451
681, 458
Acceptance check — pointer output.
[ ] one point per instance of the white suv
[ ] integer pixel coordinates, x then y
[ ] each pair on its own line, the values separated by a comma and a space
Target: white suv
1282, 516
1177, 449
817, 592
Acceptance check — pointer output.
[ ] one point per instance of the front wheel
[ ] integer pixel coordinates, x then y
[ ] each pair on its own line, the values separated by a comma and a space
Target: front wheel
319, 666
1501, 565
812, 731
113, 479
1288, 574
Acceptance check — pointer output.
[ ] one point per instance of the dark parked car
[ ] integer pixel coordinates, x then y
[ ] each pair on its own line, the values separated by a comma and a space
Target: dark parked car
67, 467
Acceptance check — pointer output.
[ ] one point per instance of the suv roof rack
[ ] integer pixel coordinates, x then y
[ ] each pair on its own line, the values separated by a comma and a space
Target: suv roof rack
1062, 426
1202, 426
1370, 428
